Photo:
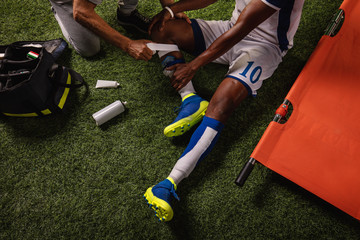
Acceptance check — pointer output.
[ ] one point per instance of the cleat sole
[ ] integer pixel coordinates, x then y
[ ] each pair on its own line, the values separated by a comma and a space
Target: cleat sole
162, 209
180, 127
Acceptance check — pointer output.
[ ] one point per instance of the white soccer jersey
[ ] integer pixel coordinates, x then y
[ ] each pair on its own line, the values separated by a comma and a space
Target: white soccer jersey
280, 28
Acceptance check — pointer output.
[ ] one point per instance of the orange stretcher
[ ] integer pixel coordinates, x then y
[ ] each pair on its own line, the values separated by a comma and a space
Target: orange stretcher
318, 147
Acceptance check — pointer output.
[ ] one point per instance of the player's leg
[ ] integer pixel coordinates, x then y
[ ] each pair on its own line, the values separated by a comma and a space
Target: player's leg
176, 31
226, 98
193, 107
254, 63
245, 76
128, 15
85, 42
246, 73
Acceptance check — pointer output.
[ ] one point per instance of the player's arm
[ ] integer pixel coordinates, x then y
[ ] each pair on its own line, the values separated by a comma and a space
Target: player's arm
84, 13
168, 3
178, 8
187, 5
165, 3
255, 13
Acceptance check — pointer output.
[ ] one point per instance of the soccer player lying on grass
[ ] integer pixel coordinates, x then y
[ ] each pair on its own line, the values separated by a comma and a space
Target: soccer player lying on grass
252, 43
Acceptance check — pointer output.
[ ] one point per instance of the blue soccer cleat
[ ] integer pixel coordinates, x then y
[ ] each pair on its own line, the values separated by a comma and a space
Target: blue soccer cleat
158, 198
191, 111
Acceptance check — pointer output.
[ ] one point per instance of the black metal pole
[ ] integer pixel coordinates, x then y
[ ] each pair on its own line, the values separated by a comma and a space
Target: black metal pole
249, 166
245, 172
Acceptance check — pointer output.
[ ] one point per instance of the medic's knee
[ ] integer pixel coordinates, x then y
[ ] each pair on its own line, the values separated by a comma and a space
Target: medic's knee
87, 48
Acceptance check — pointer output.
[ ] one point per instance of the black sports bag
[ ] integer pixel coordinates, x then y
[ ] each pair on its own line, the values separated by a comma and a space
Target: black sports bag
31, 83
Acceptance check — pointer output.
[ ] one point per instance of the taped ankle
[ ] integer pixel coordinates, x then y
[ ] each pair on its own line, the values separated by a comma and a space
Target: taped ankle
168, 62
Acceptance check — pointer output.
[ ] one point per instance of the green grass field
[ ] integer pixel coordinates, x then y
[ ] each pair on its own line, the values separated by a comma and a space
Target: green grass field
62, 177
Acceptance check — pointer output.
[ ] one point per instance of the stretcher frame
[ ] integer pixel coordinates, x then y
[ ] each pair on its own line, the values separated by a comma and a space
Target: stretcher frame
282, 112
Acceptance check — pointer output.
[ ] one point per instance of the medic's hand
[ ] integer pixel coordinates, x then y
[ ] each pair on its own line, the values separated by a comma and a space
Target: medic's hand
182, 15
162, 17
182, 75
139, 50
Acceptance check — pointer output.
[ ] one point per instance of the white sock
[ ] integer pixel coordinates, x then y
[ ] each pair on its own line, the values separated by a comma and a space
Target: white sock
201, 143
189, 88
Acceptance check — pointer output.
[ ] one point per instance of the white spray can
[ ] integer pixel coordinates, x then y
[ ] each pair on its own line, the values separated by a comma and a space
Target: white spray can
109, 112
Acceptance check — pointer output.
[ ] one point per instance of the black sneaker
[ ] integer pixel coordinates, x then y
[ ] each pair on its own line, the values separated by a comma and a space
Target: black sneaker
135, 19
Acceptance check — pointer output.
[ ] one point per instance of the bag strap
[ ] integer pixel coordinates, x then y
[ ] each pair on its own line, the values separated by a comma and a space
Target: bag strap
77, 77
15, 74
19, 62
55, 75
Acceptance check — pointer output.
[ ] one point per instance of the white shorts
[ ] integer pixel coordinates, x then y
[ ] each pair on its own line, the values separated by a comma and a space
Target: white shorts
250, 61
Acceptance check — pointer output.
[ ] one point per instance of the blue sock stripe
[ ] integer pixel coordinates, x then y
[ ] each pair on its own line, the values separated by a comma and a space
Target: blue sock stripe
175, 62
207, 122
213, 123
171, 60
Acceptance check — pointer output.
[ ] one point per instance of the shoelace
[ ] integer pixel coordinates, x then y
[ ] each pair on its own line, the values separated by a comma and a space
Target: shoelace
172, 191
178, 109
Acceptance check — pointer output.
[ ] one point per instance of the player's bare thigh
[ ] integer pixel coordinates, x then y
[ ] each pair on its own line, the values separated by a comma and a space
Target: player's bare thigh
176, 31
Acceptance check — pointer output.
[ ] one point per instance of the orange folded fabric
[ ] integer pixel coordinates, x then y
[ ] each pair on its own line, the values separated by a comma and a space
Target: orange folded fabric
318, 148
